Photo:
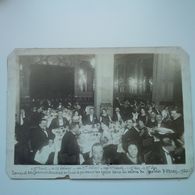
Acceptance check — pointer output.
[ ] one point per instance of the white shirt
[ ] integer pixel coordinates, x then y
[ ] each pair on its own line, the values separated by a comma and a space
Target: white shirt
168, 156
135, 116
118, 116
45, 131
61, 122
91, 118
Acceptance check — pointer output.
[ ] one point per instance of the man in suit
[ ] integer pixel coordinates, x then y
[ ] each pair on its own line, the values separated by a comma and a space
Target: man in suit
69, 153
60, 121
177, 124
131, 134
97, 155
159, 121
146, 141
134, 114
152, 120
39, 136
117, 116
126, 110
163, 153
91, 118
117, 103
35, 117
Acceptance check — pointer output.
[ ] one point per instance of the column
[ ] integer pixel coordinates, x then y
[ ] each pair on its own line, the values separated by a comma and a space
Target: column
13, 95
104, 80
164, 76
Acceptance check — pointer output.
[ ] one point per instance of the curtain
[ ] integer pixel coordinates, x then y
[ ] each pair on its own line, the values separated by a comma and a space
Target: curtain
133, 77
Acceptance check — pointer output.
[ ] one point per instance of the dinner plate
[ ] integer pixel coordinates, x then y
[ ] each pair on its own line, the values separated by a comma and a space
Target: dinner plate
162, 130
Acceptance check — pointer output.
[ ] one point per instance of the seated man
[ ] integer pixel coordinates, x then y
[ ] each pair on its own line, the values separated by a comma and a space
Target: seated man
126, 109
177, 124
134, 115
164, 153
49, 153
152, 120
97, 155
117, 116
22, 151
105, 118
159, 121
60, 121
91, 118
146, 141
179, 153
70, 151
39, 136
131, 134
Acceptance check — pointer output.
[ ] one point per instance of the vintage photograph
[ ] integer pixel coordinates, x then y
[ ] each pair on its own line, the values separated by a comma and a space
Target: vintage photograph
98, 107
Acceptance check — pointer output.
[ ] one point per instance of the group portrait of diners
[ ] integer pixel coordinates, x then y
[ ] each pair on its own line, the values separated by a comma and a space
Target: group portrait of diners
63, 132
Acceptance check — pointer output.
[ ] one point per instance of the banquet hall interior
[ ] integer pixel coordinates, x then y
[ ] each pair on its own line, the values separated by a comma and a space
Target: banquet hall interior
117, 90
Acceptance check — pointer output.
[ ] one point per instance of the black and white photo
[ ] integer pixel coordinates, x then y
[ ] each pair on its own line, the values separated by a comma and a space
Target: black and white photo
109, 108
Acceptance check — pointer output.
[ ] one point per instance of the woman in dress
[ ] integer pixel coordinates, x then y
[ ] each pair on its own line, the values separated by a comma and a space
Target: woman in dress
131, 156
105, 118
143, 116
76, 118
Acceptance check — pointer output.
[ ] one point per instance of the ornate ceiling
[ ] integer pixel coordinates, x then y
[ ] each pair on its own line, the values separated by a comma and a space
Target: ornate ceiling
57, 60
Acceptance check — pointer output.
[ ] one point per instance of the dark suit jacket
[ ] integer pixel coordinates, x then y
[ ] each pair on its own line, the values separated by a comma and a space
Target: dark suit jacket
115, 117
38, 139
89, 122
55, 123
151, 124
156, 155
69, 153
132, 135
178, 127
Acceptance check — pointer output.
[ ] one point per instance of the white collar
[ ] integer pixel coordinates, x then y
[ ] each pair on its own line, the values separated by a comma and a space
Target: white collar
134, 160
165, 150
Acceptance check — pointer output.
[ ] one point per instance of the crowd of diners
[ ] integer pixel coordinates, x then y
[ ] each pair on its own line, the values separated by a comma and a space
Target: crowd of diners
152, 134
